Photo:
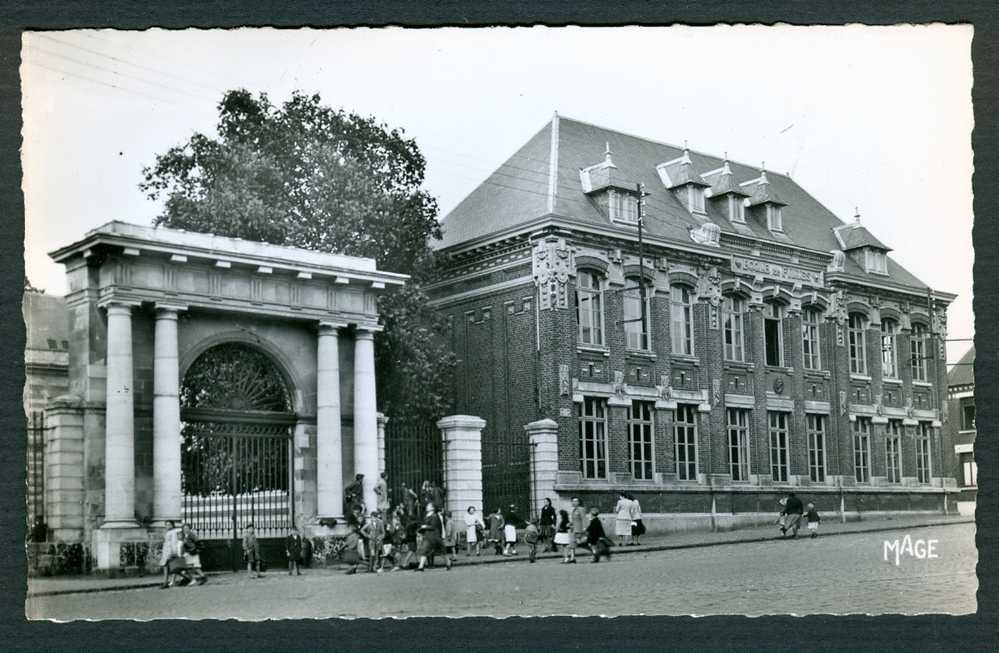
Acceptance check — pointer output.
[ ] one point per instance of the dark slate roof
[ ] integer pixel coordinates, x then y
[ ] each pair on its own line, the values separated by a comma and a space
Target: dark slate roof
855, 235
517, 194
764, 193
682, 173
964, 372
724, 183
46, 321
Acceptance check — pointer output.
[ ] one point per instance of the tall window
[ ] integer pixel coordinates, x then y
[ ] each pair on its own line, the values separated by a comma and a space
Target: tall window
696, 198
775, 220
918, 346
778, 446
816, 425
893, 451
685, 435
773, 327
624, 206
858, 341
969, 470
636, 324
876, 261
733, 316
968, 414
810, 320
923, 452
589, 308
682, 320
593, 437
736, 209
889, 349
738, 443
862, 450
640, 430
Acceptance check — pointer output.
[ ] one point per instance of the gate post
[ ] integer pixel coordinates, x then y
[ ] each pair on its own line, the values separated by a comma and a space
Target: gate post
64, 469
462, 436
543, 436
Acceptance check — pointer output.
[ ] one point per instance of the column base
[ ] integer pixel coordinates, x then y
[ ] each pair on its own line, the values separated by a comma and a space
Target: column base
160, 522
124, 550
119, 524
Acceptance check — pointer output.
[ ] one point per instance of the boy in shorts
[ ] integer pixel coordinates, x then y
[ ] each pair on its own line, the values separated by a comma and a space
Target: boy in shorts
813, 518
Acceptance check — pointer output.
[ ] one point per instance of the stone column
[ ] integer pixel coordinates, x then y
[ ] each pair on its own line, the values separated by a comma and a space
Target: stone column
166, 418
119, 443
365, 414
329, 445
462, 435
543, 436
382, 420
64, 468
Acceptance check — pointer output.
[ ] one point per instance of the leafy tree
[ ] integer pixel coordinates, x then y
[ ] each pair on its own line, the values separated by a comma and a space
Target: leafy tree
306, 175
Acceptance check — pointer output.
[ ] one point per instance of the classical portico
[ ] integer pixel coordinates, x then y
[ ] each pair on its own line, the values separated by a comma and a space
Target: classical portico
149, 308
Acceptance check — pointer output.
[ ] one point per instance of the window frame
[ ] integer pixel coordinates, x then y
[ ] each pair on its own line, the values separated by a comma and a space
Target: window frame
889, 348
818, 464
738, 443
893, 451
685, 319
736, 209
778, 438
857, 343
619, 199
875, 261
687, 469
734, 325
641, 434
924, 452
775, 217
811, 335
633, 298
862, 450
773, 313
918, 336
593, 412
964, 404
695, 199
595, 296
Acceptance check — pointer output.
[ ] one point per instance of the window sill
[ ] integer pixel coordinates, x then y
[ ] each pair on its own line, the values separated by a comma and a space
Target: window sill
825, 374
780, 368
892, 380
740, 365
922, 384
684, 358
859, 377
625, 223
641, 353
593, 349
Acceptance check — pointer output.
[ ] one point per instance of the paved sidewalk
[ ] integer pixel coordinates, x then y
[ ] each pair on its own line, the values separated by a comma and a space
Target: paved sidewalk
829, 528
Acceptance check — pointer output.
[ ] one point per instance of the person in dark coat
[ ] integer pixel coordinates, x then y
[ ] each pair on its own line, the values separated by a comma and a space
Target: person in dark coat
293, 551
596, 538
792, 511
433, 538
437, 497
547, 525
353, 495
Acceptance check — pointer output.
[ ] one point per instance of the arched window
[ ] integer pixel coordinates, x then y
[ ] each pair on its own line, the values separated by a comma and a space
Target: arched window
773, 334
733, 319
918, 347
682, 320
889, 348
858, 343
636, 321
811, 318
590, 308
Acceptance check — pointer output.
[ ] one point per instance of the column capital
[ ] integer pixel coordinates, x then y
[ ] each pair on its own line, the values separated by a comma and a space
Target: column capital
382, 419
328, 328
168, 311
366, 332
119, 306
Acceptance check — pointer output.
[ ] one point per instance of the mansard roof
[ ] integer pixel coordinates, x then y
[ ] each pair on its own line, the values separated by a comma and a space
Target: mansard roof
542, 180
964, 372
855, 236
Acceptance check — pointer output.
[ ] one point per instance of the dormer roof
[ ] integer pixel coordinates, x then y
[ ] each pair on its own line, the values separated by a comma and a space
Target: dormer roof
854, 236
723, 182
604, 175
680, 172
763, 192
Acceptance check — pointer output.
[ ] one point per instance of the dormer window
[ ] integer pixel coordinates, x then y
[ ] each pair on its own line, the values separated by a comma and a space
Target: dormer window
775, 220
695, 202
736, 209
876, 261
624, 207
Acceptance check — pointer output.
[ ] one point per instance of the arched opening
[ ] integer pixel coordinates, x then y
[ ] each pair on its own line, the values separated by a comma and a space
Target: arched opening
236, 439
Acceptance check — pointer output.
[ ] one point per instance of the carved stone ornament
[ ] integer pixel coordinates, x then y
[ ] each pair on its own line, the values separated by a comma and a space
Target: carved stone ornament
620, 389
838, 262
707, 234
908, 406
879, 408
563, 380
837, 307
716, 391
842, 402
553, 263
665, 388
709, 286
779, 385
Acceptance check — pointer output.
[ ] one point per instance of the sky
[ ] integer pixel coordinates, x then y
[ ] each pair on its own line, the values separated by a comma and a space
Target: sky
871, 118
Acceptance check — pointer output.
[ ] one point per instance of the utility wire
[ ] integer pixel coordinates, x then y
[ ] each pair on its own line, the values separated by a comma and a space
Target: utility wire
96, 81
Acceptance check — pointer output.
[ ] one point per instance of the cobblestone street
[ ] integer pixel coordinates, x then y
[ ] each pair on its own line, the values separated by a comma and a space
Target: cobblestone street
843, 574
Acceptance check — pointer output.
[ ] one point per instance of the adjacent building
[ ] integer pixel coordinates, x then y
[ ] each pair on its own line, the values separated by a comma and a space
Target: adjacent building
963, 429
759, 344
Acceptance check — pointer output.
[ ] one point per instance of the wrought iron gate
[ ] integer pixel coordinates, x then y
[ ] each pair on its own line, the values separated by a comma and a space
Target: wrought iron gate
36, 472
506, 473
414, 453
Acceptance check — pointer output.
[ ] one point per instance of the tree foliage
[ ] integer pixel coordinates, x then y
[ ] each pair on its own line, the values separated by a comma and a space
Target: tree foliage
306, 175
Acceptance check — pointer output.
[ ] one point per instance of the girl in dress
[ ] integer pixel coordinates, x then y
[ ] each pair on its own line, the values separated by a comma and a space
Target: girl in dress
496, 524
637, 527
565, 538
192, 559
473, 530
511, 522
622, 524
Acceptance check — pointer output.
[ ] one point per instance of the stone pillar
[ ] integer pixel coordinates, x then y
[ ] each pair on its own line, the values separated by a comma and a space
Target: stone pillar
365, 414
543, 436
462, 435
119, 444
166, 418
64, 469
382, 420
329, 445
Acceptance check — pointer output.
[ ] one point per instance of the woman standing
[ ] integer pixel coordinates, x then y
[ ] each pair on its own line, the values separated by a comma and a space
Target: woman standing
192, 558
496, 524
473, 530
622, 523
433, 542
637, 527
547, 524
170, 555
565, 538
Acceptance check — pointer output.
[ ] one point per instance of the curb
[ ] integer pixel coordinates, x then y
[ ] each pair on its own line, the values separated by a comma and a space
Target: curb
645, 548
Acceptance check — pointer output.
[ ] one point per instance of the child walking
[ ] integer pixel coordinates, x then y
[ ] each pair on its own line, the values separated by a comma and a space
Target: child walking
293, 551
565, 538
812, 515
596, 537
531, 536
251, 551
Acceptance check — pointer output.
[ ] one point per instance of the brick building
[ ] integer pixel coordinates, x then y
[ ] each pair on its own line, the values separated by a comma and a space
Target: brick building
780, 347
962, 427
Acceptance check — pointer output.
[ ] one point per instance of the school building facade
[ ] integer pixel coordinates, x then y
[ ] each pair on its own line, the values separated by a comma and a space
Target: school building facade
779, 349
